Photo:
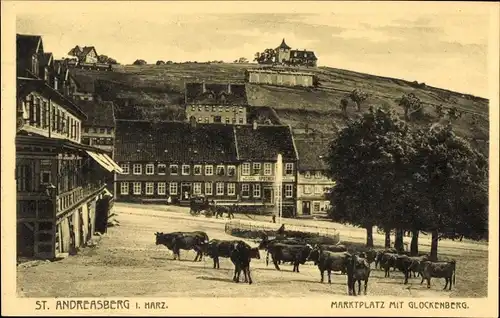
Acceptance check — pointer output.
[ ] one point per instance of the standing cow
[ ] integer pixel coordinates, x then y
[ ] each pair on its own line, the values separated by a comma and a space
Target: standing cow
328, 261
241, 255
358, 270
296, 254
176, 241
221, 248
444, 270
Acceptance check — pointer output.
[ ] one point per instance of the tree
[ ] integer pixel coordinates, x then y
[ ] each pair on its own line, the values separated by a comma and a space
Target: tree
344, 102
452, 182
241, 60
140, 62
453, 113
411, 105
439, 111
358, 96
266, 57
367, 159
160, 62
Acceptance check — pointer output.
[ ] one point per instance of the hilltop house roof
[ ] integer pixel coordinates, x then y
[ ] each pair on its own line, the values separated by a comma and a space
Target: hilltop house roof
312, 154
213, 93
174, 142
87, 49
264, 142
301, 54
99, 113
76, 51
283, 45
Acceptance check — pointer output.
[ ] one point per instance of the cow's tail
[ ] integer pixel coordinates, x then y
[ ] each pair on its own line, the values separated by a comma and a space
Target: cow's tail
454, 269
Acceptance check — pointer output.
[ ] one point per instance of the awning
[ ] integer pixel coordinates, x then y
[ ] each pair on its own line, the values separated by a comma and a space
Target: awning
101, 161
116, 167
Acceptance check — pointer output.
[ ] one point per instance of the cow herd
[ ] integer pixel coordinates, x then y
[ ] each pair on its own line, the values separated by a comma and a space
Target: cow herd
328, 257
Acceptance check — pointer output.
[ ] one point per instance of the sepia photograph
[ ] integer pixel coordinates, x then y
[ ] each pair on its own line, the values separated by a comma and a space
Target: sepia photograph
251, 150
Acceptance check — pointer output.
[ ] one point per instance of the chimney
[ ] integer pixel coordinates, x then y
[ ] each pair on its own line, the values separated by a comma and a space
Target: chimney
254, 125
204, 87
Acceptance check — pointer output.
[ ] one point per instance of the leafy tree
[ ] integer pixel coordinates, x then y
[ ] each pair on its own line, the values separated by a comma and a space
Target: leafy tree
140, 62
358, 96
267, 57
411, 105
160, 62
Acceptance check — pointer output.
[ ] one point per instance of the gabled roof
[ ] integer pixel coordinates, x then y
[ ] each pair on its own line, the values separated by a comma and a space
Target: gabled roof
87, 49
283, 45
265, 142
84, 83
99, 113
176, 142
301, 54
227, 94
27, 45
311, 154
45, 59
76, 51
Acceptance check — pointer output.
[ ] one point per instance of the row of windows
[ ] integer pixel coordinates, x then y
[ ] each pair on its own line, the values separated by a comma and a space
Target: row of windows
221, 170
199, 188
98, 130
213, 108
318, 189
43, 115
317, 175
97, 141
218, 119
161, 169
207, 188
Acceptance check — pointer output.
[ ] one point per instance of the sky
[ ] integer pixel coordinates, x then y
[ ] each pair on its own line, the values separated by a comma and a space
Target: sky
443, 45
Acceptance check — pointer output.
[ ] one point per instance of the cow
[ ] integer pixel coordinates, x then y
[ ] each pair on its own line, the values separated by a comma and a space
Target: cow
297, 254
221, 248
219, 211
176, 241
328, 261
266, 244
444, 270
358, 270
386, 261
241, 255
332, 248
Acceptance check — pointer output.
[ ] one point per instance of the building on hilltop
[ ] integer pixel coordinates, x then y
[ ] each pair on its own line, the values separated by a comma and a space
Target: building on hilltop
274, 76
175, 159
312, 181
216, 103
287, 56
60, 183
87, 58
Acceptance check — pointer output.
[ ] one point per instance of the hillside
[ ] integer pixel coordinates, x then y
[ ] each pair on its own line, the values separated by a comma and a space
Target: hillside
158, 92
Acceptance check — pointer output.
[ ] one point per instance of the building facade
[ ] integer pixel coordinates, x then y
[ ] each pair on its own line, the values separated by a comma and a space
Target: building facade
176, 160
312, 181
279, 77
60, 182
98, 129
216, 103
258, 148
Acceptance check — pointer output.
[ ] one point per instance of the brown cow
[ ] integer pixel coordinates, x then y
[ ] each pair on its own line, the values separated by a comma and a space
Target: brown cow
444, 270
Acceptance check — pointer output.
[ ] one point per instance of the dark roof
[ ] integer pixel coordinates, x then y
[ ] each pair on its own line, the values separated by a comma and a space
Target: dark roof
86, 50
99, 113
76, 51
174, 142
301, 53
85, 83
265, 142
45, 59
311, 154
283, 45
27, 45
227, 94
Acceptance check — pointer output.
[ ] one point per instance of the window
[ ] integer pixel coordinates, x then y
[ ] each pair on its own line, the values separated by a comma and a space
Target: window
173, 188
288, 190
240, 120
256, 168
200, 119
137, 168
307, 189
150, 168
288, 168
231, 171
186, 170
214, 108
193, 108
124, 188
220, 188
197, 188
221, 109
102, 130
318, 175
137, 188
162, 168
307, 175
227, 108
221, 170
46, 119
228, 120
233, 120
267, 169
231, 189
174, 170
245, 169
245, 190
241, 109
207, 120
45, 177
217, 119
207, 108
318, 189
161, 188
256, 190
125, 168
209, 170
208, 188
316, 206
199, 108
197, 170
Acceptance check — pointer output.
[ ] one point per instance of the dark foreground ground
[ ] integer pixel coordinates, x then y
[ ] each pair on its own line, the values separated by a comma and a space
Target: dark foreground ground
127, 263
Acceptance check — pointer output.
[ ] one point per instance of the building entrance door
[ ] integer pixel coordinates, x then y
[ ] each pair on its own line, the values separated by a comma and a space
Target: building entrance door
186, 189
306, 207
268, 195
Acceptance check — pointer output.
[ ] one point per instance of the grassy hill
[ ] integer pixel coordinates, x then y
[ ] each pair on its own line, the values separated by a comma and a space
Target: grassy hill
158, 92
